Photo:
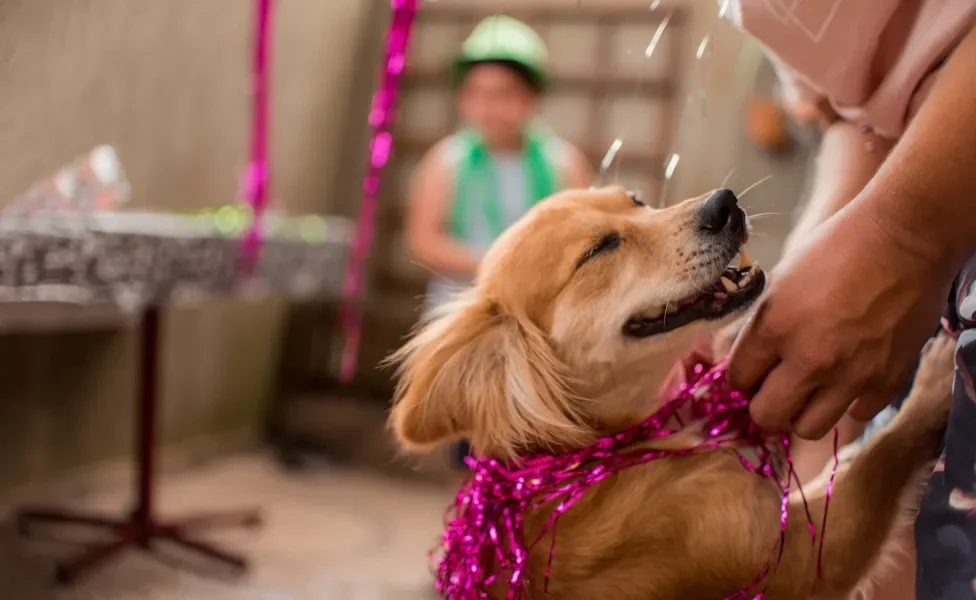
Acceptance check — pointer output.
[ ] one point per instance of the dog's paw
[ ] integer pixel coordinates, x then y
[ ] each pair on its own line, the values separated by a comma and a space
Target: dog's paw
931, 394
936, 368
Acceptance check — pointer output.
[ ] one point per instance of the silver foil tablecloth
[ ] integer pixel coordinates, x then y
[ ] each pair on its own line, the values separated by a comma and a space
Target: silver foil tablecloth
137, 259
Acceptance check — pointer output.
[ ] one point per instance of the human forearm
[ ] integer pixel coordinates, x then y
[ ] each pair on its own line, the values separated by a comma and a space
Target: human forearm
847, 160
924, 197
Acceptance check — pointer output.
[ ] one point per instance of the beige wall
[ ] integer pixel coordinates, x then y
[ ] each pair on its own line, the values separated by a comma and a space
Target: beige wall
165, 81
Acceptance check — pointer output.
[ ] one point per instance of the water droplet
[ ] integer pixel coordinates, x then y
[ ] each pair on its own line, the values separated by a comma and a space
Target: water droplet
655, 4
702, 47
608, 158
671, 166
657, 36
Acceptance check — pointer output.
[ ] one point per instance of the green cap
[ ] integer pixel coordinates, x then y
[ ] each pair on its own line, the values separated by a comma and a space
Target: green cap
502, 38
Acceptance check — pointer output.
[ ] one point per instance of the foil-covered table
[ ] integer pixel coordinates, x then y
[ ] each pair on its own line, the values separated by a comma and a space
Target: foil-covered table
68, 243
139, 259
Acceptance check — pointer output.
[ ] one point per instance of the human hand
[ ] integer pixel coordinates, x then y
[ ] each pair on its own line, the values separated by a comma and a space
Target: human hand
842, 319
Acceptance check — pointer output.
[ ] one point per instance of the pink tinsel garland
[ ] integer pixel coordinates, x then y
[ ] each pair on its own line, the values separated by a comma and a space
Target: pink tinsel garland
381, 118
489, 511
257, 177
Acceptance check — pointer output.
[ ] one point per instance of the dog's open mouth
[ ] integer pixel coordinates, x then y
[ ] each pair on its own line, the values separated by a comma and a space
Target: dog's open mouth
736, 289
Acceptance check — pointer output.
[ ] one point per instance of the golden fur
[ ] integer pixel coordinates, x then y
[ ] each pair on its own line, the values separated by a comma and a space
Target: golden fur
533, 358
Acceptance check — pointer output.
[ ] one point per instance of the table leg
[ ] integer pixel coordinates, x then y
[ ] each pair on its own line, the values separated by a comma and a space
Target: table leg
140, 527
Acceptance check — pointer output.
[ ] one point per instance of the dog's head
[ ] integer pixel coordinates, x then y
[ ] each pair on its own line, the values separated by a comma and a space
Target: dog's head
579, 309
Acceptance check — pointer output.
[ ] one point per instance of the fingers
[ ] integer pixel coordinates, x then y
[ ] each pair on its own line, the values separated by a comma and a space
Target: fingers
783, 394
751, 358
822, 412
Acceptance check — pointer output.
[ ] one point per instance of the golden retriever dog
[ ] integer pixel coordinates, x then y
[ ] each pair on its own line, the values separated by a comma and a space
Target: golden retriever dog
566, 336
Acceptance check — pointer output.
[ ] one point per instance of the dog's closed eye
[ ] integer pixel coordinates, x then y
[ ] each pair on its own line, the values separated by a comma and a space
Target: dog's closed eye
607, 243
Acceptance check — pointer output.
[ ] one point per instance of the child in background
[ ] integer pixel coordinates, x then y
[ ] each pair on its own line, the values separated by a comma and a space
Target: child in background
476, 183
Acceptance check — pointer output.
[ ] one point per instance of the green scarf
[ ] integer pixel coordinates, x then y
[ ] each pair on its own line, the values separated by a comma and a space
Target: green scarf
476, 178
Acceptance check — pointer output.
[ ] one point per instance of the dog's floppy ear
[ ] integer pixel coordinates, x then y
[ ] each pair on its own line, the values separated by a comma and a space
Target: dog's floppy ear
484, 375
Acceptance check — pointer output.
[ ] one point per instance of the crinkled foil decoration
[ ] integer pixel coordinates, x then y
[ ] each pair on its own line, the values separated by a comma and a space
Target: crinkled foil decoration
381, 117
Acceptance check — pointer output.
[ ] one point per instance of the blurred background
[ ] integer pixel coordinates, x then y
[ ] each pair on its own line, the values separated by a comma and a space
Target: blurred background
251, 410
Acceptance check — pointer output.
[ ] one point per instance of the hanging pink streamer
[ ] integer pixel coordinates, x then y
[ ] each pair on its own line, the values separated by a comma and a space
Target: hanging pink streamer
381, 117
485, 543
258, 174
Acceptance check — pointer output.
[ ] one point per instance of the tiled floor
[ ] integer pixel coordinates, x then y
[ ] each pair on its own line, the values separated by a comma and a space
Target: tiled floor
329, 535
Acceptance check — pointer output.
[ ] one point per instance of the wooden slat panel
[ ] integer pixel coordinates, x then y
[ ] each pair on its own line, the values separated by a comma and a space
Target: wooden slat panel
434, 13
405, 146
598, 83
574, 49
572, 111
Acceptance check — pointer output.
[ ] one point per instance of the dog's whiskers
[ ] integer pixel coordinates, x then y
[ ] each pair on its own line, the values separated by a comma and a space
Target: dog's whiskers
664, 323
708, 324
424, 267
765, 214
694, 283
727, 178
754, 186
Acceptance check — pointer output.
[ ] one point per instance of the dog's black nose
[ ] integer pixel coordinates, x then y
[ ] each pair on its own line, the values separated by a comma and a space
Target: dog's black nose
721, 212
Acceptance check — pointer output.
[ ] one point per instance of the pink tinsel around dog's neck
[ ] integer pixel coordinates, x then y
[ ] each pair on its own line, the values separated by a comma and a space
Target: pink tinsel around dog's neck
484, 544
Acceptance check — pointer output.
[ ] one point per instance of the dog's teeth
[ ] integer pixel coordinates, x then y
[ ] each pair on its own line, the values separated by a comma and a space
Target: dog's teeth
754, 269
744, 259
745, 280
672, 308
729, 286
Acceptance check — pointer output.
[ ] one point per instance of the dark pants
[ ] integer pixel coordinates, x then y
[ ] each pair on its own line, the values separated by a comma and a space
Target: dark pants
945, 530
